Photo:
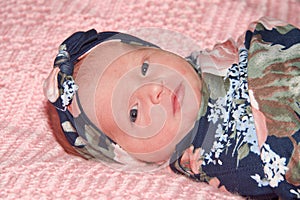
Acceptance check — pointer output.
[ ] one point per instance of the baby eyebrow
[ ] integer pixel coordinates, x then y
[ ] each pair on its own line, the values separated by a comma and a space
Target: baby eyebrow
145, 67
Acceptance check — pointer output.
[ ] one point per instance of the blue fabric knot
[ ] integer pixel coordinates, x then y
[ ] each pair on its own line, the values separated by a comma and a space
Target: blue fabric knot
62, 60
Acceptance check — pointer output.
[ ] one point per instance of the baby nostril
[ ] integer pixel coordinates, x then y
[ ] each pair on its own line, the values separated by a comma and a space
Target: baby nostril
159, 95
156, 95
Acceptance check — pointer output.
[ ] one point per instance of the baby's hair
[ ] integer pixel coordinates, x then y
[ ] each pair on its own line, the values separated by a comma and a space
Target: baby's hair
60, 136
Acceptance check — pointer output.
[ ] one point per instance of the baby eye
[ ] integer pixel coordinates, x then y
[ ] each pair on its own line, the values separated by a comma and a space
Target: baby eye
145, 67
133, 113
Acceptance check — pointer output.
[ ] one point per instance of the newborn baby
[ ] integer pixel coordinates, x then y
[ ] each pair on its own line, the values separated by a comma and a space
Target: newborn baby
228, 117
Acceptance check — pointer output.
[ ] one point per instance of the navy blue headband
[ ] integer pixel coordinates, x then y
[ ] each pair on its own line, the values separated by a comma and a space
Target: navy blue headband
81, 42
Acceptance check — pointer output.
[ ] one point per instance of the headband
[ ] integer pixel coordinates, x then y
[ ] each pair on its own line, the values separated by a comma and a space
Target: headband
79, 131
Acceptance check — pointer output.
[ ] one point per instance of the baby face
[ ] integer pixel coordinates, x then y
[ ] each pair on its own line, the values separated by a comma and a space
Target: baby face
146, 100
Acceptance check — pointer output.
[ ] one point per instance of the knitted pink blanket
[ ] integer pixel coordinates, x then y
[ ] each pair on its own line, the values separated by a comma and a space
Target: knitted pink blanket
32, 164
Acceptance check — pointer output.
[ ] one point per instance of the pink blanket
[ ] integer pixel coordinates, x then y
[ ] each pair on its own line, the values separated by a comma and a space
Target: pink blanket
32, 164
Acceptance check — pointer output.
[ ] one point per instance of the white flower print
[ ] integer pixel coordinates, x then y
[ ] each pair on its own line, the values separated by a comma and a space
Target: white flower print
208, 159
69, 89
234, 123
217, 148
214, 116
297, 193
219, 134
250, 137
274, 168
260, 182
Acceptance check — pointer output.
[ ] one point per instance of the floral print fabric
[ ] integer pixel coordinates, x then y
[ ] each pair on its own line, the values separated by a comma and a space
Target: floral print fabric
228, 150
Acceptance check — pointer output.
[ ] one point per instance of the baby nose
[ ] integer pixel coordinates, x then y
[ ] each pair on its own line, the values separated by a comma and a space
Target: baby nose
150, 93
155, 91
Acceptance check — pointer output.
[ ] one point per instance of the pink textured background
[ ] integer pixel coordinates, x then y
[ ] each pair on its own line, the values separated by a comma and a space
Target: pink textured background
32, 164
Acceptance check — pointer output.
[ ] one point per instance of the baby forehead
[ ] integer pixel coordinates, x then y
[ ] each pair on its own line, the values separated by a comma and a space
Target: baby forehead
105, 53
118, 55
144, 53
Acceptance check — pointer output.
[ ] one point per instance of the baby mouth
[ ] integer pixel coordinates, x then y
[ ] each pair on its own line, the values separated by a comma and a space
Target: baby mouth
177, 98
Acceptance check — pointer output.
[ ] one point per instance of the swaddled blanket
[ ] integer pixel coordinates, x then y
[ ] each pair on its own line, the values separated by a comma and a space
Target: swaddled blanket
249, 131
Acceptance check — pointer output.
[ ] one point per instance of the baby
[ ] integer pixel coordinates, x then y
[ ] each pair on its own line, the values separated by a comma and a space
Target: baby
229, 117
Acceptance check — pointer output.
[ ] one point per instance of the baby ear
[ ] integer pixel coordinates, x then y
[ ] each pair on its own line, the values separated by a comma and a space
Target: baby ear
50, 86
